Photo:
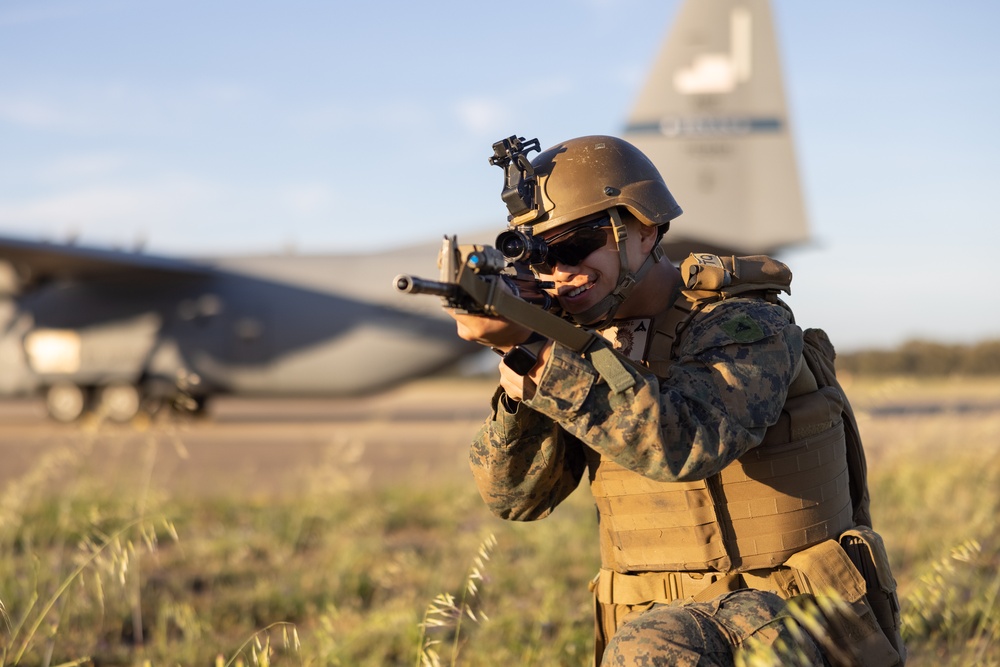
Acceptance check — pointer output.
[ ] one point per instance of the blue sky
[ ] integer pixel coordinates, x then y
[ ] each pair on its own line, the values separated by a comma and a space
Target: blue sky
229, 127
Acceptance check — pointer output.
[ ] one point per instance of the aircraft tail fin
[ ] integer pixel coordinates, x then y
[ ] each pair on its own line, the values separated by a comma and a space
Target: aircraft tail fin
712, 116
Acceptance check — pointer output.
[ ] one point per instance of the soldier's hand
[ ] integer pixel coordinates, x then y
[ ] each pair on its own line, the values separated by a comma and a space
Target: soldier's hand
521, 387
495, 332
492, 331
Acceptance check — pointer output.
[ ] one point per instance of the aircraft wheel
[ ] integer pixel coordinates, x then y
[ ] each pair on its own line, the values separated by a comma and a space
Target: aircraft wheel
119, 402
65, 401
195, 406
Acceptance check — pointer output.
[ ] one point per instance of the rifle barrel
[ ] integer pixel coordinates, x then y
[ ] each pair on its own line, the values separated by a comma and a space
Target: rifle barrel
414, 285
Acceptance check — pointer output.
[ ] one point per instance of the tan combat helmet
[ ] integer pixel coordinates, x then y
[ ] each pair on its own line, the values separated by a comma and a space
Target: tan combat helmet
583, 176
588, 175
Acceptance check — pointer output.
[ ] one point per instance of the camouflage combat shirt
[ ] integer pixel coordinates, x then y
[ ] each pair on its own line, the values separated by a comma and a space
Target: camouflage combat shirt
727, 385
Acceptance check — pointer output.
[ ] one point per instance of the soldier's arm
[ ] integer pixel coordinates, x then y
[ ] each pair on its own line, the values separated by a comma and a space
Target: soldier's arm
727, 386
523, 463
490, 331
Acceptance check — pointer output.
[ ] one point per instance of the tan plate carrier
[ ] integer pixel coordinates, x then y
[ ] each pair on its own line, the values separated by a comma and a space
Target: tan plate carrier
775, 519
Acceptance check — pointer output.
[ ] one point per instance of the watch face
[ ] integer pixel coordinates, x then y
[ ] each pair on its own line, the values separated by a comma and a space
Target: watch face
520, 360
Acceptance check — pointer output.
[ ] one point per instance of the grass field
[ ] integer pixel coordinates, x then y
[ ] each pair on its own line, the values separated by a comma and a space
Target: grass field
341, 573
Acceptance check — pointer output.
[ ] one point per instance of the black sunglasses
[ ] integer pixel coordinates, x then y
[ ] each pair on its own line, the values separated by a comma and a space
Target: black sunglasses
576, 243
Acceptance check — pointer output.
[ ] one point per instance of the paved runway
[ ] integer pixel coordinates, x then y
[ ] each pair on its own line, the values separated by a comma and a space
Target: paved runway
418, 433
258, 446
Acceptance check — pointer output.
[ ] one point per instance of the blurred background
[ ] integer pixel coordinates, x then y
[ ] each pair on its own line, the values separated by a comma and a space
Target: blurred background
224, 127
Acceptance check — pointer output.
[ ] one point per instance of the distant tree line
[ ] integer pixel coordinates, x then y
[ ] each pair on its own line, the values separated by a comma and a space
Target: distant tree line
925, 358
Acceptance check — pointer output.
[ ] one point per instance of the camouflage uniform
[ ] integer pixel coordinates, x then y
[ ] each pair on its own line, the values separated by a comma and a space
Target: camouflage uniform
726, 386
704, 633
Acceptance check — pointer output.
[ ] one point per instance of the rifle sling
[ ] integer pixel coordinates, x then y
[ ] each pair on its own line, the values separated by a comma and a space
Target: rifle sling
606, 361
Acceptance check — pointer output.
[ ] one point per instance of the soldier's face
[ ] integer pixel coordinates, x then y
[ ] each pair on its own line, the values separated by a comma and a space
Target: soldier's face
580, 285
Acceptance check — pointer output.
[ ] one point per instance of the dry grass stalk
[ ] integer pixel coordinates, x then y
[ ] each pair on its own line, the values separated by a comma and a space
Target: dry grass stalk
445, 612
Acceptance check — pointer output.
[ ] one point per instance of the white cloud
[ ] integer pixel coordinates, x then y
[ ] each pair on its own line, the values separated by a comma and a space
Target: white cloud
385, 116
225, 93
115, 107
106, 211
483, 115
488, 115
74, 168
308, 200
175, 214
30, 112
553, 87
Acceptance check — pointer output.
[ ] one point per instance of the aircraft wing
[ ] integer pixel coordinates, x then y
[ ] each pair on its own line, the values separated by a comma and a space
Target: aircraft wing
37, 262
365, 276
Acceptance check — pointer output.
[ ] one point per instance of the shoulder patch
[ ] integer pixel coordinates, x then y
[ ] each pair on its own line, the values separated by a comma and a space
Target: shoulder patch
743, 329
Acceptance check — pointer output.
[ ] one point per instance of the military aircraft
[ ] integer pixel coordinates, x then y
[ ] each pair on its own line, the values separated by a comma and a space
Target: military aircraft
122, 331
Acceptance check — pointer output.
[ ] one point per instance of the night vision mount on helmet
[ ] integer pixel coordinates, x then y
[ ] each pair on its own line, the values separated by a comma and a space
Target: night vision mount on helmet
519, 186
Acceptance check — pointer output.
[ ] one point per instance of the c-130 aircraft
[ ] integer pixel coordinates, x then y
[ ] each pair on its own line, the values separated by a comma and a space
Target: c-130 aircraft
122, 332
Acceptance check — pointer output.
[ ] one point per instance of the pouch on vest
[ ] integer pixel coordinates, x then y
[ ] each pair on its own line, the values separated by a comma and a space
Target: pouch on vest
735, 275
852, 634
867, 551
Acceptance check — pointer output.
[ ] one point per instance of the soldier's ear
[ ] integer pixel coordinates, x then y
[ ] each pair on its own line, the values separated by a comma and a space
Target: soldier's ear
647, 237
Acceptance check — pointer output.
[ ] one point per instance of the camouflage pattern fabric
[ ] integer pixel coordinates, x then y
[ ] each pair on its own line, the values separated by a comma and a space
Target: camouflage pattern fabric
706, 634
727, 385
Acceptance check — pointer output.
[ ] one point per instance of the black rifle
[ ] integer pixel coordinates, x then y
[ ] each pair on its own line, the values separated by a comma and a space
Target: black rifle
471, 281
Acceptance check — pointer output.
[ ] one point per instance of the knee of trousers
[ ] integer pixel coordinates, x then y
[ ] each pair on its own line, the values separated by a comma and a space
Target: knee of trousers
659, 636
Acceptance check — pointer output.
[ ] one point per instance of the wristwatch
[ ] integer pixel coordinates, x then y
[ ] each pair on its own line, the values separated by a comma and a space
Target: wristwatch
522, 358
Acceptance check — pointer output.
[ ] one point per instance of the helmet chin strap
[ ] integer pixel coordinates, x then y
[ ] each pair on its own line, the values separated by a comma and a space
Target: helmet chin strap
603, 312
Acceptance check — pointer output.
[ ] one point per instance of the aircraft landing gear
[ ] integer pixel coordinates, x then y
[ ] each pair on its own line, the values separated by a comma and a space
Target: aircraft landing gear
66, 401
119, 401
